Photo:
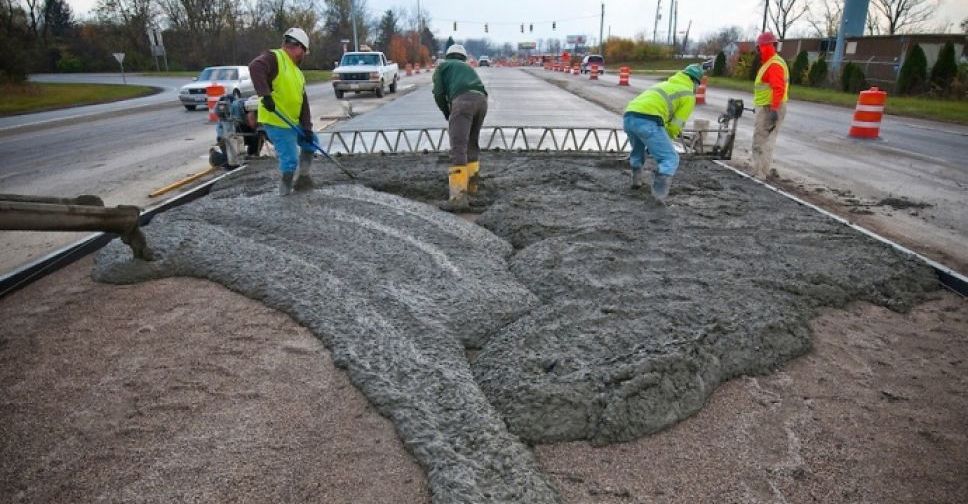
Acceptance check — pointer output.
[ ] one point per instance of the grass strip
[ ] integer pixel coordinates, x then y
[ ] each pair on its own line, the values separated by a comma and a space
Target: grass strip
38, 97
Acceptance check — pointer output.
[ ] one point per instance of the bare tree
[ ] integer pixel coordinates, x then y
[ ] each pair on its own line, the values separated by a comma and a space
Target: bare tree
786, 12
825, 20
905, 15
33, 11
713, 44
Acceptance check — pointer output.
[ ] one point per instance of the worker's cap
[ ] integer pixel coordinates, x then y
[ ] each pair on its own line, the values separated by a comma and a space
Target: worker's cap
299, 36
694, 71
456, 49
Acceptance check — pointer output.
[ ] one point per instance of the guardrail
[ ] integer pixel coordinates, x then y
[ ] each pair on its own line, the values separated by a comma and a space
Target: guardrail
517, 138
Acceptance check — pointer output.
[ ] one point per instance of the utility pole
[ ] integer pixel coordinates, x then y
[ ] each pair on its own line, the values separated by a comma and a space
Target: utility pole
672, 6
356, 42
766, 10
658, 16
601, 30
675, 25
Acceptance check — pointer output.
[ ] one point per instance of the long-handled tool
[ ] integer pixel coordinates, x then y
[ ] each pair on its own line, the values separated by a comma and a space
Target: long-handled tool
316, 146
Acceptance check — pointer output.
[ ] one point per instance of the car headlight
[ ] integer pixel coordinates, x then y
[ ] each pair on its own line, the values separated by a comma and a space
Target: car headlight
374, 75
183, 91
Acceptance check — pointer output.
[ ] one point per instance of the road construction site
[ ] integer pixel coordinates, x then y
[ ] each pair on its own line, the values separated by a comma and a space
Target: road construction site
570, 340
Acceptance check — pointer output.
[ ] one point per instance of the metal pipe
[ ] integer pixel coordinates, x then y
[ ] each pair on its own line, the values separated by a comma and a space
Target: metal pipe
121, 220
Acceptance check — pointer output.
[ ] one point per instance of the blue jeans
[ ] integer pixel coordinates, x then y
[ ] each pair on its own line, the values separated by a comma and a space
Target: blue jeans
287, 143
644, 133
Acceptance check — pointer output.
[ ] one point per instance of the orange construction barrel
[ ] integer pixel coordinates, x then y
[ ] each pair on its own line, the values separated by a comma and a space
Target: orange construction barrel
868, 114
623, 76
593, 75
575, 70
409, 69
212, 94
701, 91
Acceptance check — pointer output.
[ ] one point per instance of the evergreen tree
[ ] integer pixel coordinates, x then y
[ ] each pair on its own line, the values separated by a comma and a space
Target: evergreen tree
719, 67
800, 67
913, 77
388, 28
852, 79
817, 74
945, 69
450, 42
427, 40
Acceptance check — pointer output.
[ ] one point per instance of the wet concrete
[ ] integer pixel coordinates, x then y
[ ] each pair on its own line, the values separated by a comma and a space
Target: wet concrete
592, 312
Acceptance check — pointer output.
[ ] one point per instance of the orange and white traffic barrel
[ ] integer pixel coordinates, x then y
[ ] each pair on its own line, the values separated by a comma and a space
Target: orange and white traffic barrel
593, 75
623, 76
575, 70
868, 114
701, 92
409, 69
416, 68
212, 94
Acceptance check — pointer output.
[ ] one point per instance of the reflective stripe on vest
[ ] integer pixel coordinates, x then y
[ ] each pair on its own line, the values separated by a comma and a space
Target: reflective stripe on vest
287, 92
762, 92
670, 107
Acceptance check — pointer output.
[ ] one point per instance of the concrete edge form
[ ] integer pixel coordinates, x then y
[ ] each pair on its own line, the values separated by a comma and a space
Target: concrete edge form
41, 267
948, 277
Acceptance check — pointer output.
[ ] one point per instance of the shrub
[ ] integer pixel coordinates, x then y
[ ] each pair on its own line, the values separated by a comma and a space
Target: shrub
945, 69
800, 66
743, 66
852, 79
817, 75
719, 67
913, 77
70, 64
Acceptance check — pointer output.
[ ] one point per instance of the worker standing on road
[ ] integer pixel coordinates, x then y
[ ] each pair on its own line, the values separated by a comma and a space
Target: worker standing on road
460, 95
282, 86
655, 117
770, 91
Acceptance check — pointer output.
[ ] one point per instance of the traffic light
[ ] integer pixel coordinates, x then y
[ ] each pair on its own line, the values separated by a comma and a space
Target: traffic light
485, 27
455, 25
531, 27
522, 27
554, 25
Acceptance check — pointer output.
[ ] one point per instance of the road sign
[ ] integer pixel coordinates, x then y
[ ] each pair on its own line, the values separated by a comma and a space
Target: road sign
575, 39
527, 45
119, 56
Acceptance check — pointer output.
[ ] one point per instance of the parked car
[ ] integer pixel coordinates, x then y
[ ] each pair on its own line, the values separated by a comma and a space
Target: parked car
484, 61
708, 64
592, 59
235, 80
365, 71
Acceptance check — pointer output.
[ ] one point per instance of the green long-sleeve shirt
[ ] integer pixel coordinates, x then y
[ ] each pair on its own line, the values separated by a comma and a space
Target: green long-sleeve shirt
452, 78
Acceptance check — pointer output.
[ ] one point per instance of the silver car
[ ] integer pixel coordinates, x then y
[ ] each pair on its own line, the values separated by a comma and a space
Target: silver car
235, 80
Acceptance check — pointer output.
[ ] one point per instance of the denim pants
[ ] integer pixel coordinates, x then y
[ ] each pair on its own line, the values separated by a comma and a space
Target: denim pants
287, 143
644, 133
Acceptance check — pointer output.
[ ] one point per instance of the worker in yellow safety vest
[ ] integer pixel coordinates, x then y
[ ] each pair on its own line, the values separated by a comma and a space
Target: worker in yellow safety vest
770, 91
281, 84
655, 117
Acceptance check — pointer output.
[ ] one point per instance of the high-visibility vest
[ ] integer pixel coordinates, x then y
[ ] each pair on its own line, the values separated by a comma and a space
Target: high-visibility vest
762, 92
287, 92
672, 101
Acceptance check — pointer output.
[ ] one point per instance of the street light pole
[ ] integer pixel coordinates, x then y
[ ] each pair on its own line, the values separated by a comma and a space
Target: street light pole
766, 9
356, 42
601, 30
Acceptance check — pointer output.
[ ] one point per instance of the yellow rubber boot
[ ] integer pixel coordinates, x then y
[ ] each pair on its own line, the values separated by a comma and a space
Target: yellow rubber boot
472, 168
458, 182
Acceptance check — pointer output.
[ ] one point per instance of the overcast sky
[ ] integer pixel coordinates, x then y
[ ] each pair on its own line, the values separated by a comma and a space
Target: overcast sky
623, 18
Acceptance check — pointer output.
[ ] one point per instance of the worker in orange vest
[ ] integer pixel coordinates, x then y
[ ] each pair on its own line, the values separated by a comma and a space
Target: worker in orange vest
770, 92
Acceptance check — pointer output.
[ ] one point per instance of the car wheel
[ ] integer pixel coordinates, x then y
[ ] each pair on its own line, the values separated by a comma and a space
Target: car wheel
379, 90
189, 107
393, 86
339, 94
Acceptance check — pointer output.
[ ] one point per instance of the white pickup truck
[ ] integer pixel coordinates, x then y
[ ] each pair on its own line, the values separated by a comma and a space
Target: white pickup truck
365, 71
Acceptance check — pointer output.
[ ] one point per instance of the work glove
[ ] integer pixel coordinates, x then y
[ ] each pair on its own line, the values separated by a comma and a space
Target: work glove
772, 118
307, 134
268, 103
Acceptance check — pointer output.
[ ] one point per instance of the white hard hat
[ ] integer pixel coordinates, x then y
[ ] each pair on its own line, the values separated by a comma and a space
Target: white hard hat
457, 49
298, 35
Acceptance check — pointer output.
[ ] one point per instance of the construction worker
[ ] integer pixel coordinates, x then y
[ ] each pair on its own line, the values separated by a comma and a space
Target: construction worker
460, 95
655, 117
770, 91
282, 86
